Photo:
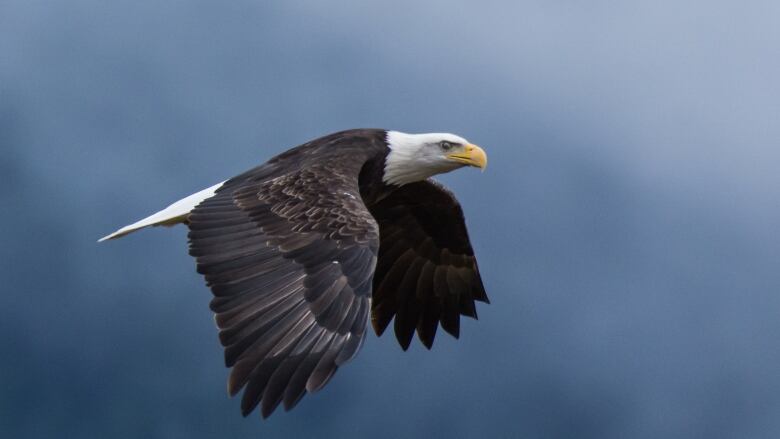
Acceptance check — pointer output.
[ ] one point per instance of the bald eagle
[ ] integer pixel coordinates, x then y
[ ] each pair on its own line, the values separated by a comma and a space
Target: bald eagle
299, 251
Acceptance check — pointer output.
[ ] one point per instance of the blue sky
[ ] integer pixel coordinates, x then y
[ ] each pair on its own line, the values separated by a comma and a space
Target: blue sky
626, 227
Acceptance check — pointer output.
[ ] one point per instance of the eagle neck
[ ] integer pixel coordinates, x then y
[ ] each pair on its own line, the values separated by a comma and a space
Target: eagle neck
371, 181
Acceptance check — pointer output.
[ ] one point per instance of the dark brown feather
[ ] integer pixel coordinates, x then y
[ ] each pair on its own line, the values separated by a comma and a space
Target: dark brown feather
426, 274
292, 254
289, 254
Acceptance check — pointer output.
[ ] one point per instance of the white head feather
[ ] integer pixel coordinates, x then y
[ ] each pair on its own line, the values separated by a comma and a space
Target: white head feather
415, 157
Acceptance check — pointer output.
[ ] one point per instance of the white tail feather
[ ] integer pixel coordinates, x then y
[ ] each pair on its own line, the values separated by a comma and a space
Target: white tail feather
173, 214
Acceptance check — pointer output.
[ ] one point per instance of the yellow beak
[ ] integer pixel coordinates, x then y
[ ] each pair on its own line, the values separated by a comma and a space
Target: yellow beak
471, 155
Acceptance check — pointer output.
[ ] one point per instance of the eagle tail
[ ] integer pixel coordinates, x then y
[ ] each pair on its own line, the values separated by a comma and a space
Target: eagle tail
174, 214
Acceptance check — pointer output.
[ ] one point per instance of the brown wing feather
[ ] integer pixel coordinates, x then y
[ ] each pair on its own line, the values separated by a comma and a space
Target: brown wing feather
290, 261
427, 273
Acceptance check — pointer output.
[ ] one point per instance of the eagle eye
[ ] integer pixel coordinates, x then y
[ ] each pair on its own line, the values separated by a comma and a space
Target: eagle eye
445, 145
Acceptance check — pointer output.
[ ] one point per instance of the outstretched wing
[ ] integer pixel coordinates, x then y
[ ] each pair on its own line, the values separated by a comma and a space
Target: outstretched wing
427, 273
290, 261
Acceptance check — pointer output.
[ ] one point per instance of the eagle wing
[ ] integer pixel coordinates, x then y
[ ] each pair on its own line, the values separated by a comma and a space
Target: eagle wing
290, 261
427, 273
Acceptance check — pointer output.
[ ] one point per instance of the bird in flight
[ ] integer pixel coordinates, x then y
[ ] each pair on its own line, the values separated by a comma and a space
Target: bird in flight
300, 252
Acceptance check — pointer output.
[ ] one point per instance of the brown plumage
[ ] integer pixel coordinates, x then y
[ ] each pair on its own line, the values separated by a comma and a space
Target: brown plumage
300, 251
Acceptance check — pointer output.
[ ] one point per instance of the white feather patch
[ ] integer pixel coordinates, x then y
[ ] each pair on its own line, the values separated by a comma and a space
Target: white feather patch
173, 214
415, 157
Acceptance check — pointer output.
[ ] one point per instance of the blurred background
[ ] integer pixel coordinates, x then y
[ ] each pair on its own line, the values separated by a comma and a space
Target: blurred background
626, 228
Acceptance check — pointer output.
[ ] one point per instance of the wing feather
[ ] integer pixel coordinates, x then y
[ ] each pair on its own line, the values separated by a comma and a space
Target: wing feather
290, 261
426, 274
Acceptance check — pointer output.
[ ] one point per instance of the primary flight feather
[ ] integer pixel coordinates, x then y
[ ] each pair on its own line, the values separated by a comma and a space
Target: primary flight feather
302, 251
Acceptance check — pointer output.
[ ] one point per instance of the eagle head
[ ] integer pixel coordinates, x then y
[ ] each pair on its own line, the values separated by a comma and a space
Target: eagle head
415, 157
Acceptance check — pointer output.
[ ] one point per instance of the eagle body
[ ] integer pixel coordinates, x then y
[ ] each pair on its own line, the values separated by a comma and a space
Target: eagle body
303, 250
